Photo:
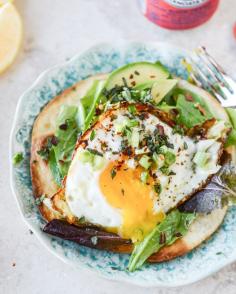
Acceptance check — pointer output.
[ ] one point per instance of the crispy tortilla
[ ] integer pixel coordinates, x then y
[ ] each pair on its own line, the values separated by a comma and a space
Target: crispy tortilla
43, 182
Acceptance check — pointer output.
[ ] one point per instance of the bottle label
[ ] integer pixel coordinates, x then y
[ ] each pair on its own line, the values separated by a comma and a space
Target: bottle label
185, 3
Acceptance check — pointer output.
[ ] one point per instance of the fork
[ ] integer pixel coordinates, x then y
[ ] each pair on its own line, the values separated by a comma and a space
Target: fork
209, 75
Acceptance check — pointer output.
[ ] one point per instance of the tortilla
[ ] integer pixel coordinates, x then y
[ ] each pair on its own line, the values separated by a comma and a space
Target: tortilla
43, 184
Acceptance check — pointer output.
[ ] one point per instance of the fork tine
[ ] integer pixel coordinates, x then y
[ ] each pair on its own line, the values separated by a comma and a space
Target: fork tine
202, 80
203, 50
213, 67
198, 74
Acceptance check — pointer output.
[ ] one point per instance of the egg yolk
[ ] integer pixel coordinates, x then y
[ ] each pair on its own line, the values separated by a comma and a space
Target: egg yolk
126, 192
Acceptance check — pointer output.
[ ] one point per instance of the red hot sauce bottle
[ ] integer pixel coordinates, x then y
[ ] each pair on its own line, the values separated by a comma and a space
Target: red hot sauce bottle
179, 14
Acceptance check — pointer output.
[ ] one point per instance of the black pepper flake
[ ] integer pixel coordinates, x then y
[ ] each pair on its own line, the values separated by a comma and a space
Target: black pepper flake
113, 173
171, 173
162, 239
185, 146
125, 82
133, 83
157, 188
178, 234
137, 73
63, 126
123, 191
131, 76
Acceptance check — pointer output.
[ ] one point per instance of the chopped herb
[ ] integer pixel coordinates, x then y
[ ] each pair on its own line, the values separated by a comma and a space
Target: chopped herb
185, 146
92, 135
177, 129
165, 170
157, 188
171, 173
95, 152
44, 153
17, 158
113, 173
219, 253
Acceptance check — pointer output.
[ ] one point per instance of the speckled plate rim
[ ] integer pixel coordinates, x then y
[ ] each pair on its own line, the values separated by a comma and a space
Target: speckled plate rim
38, 233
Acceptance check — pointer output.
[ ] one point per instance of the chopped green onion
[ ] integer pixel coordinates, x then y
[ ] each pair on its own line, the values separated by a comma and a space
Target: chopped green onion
145, 162
144, 177
159, 159
134, 140
169, 158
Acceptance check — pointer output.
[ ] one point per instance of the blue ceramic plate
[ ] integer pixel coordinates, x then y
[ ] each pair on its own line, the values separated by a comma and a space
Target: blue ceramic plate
198, 264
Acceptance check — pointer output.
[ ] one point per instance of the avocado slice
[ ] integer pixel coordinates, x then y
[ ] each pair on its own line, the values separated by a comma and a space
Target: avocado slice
161, 88
136, 73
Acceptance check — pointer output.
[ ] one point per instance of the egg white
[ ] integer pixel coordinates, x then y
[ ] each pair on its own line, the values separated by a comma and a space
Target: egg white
84, 195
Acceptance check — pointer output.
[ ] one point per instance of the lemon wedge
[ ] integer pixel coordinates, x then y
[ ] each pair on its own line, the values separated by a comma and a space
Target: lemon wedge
5, 1
10, 34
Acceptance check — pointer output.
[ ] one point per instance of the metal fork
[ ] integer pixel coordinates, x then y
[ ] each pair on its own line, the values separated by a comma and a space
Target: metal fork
209, 75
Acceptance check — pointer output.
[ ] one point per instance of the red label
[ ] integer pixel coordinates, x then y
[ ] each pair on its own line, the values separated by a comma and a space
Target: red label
179, 14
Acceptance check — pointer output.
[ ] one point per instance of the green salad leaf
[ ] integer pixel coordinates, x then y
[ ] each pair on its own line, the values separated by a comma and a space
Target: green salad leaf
173, 227
191, 113
231, 140
59, 148
89, 103
66, 137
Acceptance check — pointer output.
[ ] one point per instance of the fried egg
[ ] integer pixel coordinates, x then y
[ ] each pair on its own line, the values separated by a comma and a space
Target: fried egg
131, 168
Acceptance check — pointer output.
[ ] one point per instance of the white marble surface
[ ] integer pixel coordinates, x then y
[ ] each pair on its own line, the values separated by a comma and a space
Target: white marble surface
54, 31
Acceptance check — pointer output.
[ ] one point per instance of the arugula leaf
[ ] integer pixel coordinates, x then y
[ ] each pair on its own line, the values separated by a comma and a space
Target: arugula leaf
58, 150
231, 140
174, 226
66, 143
189, 113
54, 168
90, 101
